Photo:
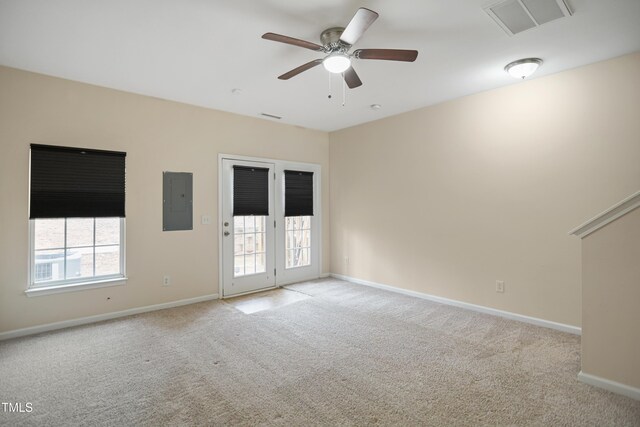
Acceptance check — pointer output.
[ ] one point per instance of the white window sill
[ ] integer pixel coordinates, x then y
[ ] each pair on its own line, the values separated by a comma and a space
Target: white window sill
72, 287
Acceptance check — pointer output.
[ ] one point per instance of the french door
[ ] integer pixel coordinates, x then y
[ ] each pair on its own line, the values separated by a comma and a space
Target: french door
248, 242
261, 247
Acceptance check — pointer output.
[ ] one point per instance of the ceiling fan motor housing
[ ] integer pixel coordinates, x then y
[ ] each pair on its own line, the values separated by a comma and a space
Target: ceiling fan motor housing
330, 39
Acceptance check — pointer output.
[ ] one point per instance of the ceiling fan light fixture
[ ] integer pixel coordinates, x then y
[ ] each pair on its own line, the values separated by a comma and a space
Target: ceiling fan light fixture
523, 68
337, 63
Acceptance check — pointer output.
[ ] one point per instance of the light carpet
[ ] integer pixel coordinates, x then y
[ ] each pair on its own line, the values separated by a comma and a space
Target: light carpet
350, 355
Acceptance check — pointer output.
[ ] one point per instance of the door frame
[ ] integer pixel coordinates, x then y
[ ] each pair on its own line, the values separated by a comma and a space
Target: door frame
280, 165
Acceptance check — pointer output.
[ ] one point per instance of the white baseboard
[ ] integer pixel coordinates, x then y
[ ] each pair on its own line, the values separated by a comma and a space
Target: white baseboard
625, 390
480, 308
100, 317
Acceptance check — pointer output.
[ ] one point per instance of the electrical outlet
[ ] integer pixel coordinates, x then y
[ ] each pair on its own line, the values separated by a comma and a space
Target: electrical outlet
206, 219
166, 281
346, 260
500, 286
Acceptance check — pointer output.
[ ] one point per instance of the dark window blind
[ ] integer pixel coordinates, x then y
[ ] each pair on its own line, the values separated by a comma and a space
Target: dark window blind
75, 182
298, 193
250, 191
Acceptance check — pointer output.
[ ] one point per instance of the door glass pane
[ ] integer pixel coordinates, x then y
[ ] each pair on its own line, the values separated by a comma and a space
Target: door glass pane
305, 238
261, 264
238, 244
298, 241
260, 242
249, 245
238, 266
249, 224
238, 224
249, 264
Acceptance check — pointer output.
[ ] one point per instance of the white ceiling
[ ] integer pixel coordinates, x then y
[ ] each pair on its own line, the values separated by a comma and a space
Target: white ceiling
197, 51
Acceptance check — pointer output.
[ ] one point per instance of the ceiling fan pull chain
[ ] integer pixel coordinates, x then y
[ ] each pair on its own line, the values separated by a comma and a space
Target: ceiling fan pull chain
344, 91
330, 74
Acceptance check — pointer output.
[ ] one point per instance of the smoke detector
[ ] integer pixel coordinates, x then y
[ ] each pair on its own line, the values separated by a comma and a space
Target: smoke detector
516, 16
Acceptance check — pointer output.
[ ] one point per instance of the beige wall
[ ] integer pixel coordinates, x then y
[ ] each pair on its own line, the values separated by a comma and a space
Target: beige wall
443, 200
448, 199
157, 135
611, 301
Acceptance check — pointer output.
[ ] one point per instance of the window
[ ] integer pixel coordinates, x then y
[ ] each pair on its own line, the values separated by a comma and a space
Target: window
298, 241
73, 250
76, 216
298, 210
250, 211
249, 251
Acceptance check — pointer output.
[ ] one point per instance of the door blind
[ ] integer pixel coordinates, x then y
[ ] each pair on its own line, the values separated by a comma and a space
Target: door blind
298, 193
250, 191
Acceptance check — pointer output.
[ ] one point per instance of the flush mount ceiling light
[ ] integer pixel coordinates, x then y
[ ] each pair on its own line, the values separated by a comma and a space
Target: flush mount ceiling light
337, 63
523, 67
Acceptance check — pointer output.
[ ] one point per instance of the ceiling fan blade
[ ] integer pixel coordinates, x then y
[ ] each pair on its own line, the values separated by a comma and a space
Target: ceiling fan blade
387, 54
290, 40
303, 67
358, 25
351, 78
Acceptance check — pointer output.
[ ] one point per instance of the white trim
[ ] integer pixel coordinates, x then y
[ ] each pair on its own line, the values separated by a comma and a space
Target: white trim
242, 294
261, 159
611, 214
479, 308
616, 387
100, 317
302, 279
72, 287
220, 228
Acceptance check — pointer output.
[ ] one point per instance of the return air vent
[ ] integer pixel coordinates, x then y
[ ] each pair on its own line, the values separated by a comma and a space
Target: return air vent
516, 16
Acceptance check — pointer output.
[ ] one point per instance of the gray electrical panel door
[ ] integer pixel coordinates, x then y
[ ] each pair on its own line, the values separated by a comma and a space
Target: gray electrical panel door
177, 201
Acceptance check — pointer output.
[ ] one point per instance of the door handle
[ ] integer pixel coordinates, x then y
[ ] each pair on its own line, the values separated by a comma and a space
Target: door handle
226, 233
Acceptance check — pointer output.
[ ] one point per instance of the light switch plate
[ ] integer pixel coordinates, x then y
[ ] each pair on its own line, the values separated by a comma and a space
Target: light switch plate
206, 219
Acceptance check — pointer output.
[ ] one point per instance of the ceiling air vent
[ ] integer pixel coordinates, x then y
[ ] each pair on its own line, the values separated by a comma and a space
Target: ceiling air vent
516, 16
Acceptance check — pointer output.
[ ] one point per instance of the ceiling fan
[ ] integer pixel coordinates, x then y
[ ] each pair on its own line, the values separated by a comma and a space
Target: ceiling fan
336, 43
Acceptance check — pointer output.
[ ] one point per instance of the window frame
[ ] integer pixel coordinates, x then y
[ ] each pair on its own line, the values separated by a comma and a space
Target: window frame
68, 285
